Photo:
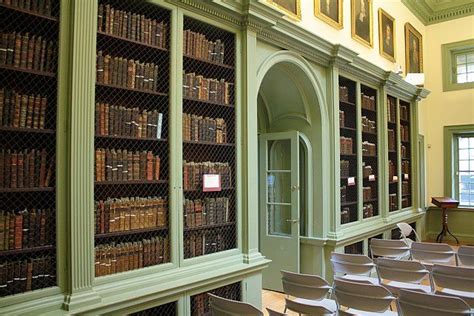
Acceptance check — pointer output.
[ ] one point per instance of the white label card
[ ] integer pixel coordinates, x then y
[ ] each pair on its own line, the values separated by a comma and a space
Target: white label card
405, 176
395, 178
351, 181
372, 177
211, 182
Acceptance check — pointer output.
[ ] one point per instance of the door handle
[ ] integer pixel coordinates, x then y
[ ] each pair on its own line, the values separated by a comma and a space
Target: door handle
293, 221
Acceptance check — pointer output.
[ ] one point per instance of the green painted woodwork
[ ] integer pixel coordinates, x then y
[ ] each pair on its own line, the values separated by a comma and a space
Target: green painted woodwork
460, 224
449, 148
437, 11
448, 54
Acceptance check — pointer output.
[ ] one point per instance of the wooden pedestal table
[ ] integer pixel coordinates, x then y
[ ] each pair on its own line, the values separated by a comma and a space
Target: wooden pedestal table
445, 203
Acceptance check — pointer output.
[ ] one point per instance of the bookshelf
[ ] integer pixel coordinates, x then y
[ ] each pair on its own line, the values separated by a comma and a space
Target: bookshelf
131, 137
168, 309
370, 176
348, 150
393, 160
28, 105
405, 149
355, 248
200, 302
208, 131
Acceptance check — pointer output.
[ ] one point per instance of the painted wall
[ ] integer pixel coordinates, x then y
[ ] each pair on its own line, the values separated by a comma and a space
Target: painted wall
443, 108
393, 7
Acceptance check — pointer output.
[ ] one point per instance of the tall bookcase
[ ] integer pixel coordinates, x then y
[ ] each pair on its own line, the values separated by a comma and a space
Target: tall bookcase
131, 128
209, 214
368, 101
28, 105
405, 149
393, 162
348, 150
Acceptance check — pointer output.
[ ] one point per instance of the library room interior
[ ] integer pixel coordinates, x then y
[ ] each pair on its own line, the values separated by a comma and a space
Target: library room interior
237, 157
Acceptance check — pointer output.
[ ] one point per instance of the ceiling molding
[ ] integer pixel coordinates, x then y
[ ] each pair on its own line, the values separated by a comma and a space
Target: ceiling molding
437, 11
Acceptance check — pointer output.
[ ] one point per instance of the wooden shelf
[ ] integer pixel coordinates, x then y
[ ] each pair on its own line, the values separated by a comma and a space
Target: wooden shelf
369, 133
394, 124
407, 159
131, 232
208, 102
348, 203
404, 122
19, 190
149, 139
346, 103
349, 155
131, 182
406, 142
211, 63
369, 111
370, 201
208, 227
348, 129
16, 252
405, 195
112, 86
345, 178
124, 39
189, 142
200, 191
27, 130
370, 156
28, 71
392, 151
29, 12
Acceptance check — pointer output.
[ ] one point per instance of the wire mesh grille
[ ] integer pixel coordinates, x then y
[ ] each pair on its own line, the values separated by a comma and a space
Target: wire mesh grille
162, 310
355, 248
208, 138
405, 135
348, 150
393, 163
369, 152
28, 86
200, 302
131, 128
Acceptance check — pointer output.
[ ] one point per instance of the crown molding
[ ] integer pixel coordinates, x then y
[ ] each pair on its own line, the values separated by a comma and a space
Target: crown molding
432, 12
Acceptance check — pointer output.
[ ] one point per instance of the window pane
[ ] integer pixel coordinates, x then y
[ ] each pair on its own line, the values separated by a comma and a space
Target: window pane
470, 67
463, 154
465, 161
460, 59
463, 142
470, 77
470, 58
471, 141
461, 69
463, 165
471, 153
462, 78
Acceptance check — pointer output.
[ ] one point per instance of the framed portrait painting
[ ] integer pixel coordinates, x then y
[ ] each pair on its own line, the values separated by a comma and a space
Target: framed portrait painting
386, 35
413, 50
362, 22
291, 7
330, 11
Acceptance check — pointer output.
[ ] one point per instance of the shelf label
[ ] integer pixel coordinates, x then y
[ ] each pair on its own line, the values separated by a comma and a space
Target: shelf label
395, 178
351, 181
405, 176
211, 183
372, 177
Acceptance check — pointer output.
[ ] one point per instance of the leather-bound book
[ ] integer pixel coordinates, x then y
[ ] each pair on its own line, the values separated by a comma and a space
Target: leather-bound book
20, 170
29, 276
42, 170
3, 48
16, 110
43, 226
143, 164
34, 53
149, 166
11, 231
135, 165
14, 170
108, 165
100, 18
100, 67
2, 168
21, 50
23, 107
3, 218
28, 52
106, 79
37, 112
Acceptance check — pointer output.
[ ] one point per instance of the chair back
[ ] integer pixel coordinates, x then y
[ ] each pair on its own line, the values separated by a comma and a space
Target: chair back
466, 256
225, 307
413, 303
389, 248
432, 252
307, 309
455, 278
362, 296
401, 270
311, 287
271, 312
406, 230
343, 263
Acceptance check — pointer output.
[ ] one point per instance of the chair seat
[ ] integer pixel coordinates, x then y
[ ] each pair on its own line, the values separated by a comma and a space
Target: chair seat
467, 296
395, 286
353, 311
326, 303
361, 279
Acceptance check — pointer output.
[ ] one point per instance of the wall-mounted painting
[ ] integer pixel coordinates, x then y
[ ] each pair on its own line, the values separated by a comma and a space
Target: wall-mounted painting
386, 35
330, 11
413, 50
291, 7
362, 21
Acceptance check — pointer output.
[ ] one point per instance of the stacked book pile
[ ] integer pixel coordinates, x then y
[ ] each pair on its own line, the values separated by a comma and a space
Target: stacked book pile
197, 128
369, 149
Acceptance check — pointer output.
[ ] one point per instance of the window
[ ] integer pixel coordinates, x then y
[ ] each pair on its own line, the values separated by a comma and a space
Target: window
458, 65
459, 164
464, 174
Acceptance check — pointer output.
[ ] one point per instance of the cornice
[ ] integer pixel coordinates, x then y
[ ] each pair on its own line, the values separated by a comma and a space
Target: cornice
423, 11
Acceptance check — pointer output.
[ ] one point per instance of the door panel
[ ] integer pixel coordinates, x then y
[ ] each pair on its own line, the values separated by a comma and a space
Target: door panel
279, 205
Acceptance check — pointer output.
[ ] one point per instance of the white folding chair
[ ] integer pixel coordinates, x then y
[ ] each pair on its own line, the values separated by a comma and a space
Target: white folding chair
454, 281
352, 267
362, 298
406, 230
412, 303
465, 256
224, 307
403, 274
271, 312
307, 294
430, 253
389, 248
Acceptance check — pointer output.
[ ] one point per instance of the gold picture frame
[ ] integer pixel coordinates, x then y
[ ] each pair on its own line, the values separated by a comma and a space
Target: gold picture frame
387, 36
362, 22
324, 12
285, 6
413, 50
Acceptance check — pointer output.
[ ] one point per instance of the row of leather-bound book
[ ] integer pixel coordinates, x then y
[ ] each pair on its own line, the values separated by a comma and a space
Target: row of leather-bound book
22, 110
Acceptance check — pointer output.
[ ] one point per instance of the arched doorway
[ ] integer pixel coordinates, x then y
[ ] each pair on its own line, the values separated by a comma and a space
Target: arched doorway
291, 141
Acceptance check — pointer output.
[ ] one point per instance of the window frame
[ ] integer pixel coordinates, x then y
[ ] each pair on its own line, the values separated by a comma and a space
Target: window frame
451, 160
449, 52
